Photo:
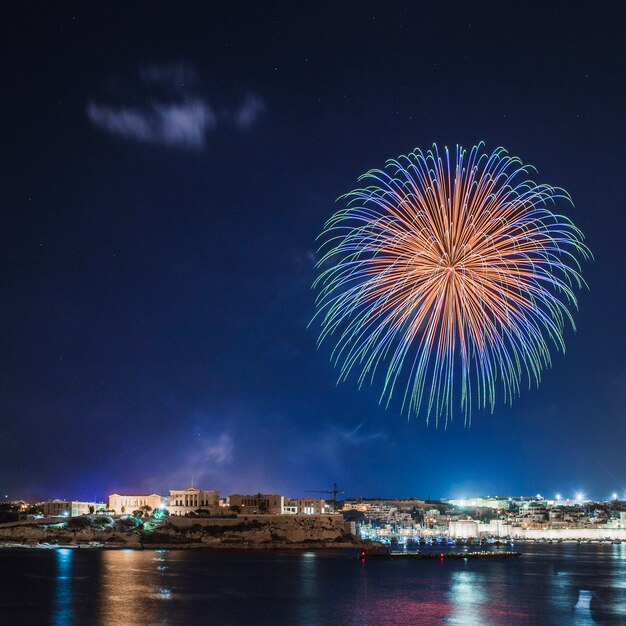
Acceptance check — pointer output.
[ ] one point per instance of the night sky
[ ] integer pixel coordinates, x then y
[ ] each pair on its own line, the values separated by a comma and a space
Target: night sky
165, 172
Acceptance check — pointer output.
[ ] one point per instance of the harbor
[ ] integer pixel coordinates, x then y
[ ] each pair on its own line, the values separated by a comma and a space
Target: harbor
390, 555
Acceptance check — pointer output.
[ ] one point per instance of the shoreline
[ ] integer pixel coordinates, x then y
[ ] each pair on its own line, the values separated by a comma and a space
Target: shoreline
190, 546
320, 532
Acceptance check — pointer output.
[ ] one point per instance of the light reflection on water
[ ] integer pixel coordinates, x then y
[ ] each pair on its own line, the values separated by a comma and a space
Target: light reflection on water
309, 592
579, 585
63, 594
132, 587
466, 595
582, 610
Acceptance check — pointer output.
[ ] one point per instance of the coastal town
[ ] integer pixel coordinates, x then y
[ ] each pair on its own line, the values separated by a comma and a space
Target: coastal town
274, 520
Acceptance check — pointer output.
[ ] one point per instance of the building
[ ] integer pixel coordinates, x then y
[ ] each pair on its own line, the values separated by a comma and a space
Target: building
617, 520
357, 505
463, 528
70, 508
127, 503
532, 512
502, 504
183, 501
304, 506
271, 504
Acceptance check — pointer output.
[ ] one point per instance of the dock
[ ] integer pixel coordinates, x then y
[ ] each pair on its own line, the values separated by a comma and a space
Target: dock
364, 555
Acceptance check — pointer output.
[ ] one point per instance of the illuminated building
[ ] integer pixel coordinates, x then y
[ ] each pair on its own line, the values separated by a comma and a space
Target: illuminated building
357, 505
127, 503
70, 508
304, 506
463, 528
183, 501
532, 512
274, 504
617, 520
502, 504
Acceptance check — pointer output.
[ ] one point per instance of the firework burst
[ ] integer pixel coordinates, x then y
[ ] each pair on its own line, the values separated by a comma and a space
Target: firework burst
449, 278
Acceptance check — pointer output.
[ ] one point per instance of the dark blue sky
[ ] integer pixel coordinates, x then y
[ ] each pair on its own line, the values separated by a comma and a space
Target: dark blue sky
165, 172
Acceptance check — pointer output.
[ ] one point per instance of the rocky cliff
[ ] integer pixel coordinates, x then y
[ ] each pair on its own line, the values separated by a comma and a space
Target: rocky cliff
262, 531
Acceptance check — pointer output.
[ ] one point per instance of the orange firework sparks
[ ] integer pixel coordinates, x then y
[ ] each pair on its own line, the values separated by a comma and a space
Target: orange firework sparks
448, 277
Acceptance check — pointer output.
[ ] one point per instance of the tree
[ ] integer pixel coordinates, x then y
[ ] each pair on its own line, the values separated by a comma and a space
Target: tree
9, 512
159, 513
263, 508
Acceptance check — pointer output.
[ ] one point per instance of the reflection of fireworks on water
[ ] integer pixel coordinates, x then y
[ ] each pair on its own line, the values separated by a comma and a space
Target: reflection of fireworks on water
451, 277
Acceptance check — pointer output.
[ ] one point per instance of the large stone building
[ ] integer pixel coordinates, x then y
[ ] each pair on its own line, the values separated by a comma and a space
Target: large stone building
70, 508
190, 500
261, 503
532, 513
127, 503
274, 504
304, 506
463, 528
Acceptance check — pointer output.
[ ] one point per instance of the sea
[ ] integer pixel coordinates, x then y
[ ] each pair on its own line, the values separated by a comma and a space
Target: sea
549, 584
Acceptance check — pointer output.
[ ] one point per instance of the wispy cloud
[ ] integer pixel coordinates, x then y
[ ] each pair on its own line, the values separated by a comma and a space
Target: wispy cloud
358, 436
249, 111
175, 111
335, 445
184, 123
204, 461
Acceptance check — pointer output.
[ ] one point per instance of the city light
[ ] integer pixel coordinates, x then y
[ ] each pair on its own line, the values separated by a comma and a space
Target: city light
579, 496
558, 497
614, 496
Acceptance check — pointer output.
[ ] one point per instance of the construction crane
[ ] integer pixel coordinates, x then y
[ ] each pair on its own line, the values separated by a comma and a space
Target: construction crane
334, 491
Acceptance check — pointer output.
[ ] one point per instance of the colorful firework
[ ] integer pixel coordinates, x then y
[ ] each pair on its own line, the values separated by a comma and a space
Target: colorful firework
449, 278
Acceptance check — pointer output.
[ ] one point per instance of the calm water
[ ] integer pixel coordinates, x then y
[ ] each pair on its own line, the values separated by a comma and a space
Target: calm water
549, 584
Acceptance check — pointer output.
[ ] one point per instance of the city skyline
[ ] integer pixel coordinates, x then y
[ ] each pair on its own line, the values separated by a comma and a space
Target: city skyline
578, 496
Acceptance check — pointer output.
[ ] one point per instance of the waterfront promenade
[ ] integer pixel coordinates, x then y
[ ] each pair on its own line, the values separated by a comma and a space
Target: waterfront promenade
497, 531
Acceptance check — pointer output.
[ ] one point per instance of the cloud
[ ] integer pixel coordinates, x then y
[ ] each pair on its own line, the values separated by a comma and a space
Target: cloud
184, 123
249, 111
204, 461
358, 437
175, 111
336, 445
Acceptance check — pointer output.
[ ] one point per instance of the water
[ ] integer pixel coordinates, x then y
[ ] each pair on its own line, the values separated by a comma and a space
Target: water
549, 584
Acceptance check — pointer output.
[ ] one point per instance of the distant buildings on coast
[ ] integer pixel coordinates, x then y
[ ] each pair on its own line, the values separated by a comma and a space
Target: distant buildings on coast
70, 508
189, 502
531, 517
378, 519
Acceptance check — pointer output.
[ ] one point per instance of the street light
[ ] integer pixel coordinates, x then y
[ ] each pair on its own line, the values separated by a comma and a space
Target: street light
558, 497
